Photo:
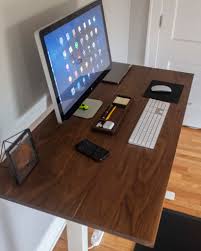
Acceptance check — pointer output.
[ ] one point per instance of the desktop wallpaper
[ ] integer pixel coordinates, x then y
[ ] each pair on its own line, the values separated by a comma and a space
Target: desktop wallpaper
78, 54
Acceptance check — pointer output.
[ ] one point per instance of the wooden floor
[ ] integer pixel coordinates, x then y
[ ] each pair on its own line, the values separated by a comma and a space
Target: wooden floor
185, 180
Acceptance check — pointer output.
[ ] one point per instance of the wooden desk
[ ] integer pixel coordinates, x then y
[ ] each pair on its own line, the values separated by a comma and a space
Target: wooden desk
122, 195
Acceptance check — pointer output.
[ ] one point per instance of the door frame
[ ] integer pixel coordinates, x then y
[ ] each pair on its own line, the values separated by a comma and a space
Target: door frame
153, 32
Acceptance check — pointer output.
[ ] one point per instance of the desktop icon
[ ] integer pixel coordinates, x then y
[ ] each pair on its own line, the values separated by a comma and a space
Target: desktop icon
67, 36
89, 22
79, 29
79, 60
70, 79
73, 91
99, 51
78, 86
67, 67
93, 45
81, 69
96, 30
61, 41
87, 37
81, 41
64, 54
70, 50
76, 45
74, 32
91, 33
94, 19
84, 25
76, 74
84, 52
87, 64
84, 80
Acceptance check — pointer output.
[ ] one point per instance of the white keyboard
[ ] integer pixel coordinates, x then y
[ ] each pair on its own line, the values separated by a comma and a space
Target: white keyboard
149, 126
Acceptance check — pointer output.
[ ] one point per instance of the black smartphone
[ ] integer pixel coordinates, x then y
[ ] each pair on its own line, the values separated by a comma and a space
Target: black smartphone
92, 150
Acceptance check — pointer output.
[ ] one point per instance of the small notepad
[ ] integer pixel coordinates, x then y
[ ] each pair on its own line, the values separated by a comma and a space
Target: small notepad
121, 101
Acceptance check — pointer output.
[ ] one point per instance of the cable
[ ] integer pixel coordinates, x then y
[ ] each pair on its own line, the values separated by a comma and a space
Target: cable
96, 239
91, 247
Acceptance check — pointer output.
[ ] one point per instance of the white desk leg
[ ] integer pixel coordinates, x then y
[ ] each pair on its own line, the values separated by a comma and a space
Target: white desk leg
77, 237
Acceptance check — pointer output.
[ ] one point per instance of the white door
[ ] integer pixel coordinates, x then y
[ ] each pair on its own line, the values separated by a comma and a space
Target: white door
174, 42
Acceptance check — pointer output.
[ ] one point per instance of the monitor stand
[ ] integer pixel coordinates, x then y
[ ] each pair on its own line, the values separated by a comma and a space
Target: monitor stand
93, 104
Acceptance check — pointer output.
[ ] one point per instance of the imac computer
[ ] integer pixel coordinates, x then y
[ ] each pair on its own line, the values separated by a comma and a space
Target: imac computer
75, 56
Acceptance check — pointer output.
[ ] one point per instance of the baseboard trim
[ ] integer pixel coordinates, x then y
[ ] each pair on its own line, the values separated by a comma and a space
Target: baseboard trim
44, 115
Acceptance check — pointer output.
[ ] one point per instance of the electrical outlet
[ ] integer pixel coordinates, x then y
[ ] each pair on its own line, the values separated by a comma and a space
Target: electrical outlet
96, 238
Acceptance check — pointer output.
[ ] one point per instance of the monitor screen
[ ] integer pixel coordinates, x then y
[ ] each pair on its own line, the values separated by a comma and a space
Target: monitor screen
78, 53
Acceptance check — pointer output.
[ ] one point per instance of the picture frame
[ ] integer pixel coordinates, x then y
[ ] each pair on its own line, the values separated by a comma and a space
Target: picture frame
21, 155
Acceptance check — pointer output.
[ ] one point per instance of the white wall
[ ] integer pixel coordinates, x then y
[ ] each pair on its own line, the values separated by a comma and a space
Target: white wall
117, 14
138, 31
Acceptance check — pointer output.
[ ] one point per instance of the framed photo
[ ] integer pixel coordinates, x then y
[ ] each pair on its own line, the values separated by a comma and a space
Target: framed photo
21, 155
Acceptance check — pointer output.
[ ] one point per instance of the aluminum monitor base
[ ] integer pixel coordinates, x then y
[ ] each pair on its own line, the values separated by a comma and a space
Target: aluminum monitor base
93, 104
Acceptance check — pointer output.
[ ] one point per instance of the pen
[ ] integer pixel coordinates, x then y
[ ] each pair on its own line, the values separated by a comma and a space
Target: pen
110, 114
105, 114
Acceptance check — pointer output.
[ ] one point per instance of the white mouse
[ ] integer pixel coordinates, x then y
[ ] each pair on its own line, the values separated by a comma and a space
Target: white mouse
161, 88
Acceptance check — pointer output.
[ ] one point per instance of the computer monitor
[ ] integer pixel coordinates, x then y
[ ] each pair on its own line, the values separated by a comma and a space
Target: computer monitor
75, 55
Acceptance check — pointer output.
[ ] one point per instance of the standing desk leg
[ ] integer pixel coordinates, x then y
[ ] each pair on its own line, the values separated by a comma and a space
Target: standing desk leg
77, 236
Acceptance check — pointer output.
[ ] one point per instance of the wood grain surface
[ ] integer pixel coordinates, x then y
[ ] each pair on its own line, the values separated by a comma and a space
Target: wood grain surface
185, 181
122, 195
